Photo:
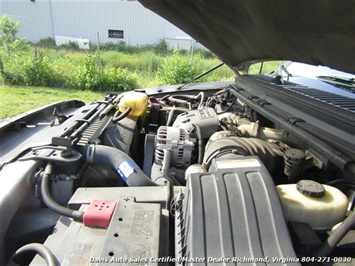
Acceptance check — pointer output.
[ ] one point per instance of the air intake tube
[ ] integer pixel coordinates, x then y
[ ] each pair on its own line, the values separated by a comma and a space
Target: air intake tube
223, 144
128, 170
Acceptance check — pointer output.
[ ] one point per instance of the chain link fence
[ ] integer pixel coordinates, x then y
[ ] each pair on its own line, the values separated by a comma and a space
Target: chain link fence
110, 61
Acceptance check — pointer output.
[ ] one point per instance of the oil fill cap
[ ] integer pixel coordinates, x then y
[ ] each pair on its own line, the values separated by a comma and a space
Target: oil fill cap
310, 188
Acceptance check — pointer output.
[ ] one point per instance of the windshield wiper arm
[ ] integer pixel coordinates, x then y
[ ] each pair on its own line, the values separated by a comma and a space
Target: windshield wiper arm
347, 84
348, 81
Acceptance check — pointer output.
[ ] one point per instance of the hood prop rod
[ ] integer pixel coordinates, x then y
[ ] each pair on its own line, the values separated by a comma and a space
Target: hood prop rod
201, 75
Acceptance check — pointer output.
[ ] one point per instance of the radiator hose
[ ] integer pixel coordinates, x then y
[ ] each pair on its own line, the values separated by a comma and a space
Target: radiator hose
120, 162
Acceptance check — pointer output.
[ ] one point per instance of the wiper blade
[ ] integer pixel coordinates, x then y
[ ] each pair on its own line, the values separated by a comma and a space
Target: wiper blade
336, 79
347, 84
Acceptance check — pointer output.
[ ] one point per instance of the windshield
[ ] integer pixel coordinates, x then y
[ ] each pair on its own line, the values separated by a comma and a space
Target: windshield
304, 70
318, 77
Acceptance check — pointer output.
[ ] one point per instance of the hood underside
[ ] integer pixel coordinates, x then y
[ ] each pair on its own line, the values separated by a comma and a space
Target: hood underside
243, 31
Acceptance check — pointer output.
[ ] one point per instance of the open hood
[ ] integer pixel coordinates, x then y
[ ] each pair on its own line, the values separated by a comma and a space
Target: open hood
243, 31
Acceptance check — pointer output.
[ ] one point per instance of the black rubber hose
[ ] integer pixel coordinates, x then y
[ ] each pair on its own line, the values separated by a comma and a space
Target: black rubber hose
129, 171
119, 116
330, 244
42, 250
228, 108
50, 203
199, 143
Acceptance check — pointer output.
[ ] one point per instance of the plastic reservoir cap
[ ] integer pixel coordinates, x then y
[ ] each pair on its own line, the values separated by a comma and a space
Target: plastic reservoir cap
310, 188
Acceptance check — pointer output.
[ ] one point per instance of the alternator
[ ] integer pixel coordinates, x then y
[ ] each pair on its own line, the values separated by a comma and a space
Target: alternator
178, 142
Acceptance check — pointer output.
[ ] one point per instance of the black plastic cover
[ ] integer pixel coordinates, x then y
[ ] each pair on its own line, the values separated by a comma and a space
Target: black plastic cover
233, 216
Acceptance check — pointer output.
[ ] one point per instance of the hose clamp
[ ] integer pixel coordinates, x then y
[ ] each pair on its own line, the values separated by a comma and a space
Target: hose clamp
90, 153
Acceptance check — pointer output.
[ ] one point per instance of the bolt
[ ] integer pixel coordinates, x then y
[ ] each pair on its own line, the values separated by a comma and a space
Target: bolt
67, 154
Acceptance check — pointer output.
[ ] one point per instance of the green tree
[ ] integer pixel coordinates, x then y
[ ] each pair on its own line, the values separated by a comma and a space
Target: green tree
11, 48
38, 71
8, 42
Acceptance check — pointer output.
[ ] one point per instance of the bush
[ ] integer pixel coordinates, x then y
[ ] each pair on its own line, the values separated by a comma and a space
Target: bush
70, 46
39, 72
176, 69
13, 74
46, 43
92, 47
118, 80
86, 77
161, 48
149, 62
205, 53
119, 47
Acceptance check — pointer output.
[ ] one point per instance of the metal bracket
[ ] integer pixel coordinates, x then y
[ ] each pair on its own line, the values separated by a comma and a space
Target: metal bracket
58, 155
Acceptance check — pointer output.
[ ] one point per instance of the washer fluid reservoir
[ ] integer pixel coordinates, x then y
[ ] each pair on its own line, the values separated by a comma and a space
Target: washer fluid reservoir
320, 206
138, 101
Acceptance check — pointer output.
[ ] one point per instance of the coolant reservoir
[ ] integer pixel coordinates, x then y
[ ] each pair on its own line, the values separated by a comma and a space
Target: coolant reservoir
138, 101
320, 206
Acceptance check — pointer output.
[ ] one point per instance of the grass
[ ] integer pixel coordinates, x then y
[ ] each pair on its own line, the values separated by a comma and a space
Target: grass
15, 100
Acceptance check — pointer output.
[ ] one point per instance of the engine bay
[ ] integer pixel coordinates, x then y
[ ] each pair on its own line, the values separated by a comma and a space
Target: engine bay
193, 176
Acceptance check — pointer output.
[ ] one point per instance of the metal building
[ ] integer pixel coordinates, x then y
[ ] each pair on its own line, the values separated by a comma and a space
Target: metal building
111, 20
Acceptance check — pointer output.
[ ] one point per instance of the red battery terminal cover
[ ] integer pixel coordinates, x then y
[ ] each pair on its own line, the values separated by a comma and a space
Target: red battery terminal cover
99, 213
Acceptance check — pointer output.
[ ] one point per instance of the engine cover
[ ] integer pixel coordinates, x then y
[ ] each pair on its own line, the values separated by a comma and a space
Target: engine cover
232, 214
